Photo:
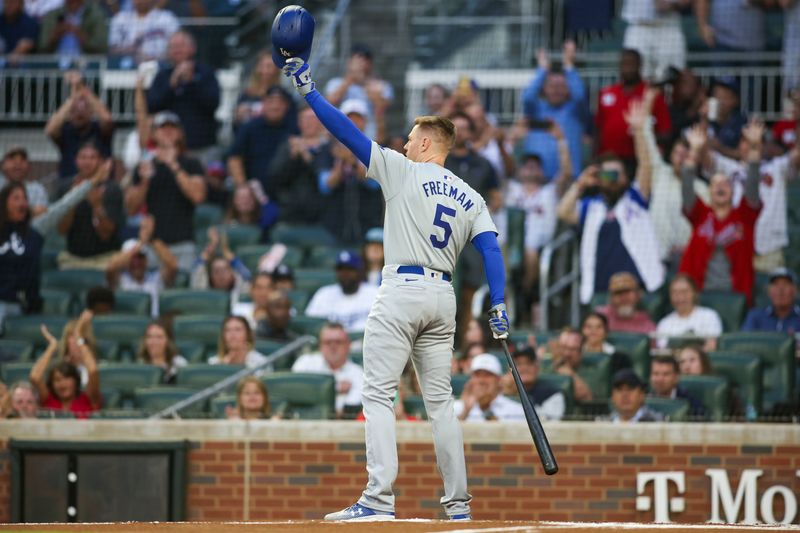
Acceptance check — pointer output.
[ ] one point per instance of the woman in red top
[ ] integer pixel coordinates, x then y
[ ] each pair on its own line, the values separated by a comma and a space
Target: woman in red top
62, 390
720, 253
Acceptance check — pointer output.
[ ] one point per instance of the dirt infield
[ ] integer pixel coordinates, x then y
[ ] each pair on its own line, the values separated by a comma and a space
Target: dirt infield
397, 526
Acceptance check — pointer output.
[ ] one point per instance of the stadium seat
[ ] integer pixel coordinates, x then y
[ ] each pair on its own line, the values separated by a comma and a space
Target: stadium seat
49, 260
153, 399
199, 328
118, 414
712, 391
108, 350
75, 282
45, 414
322, 257
595, 370
111, 397
307, 325
200, 376
635, 345
299, 299
307, 396
414, 405
28, 327
457, 382
181, 280
730, 306
673, 409
311, 279
206, 215
54, 241
16, 350
192, 351
126, 330
267, 347
132, 303
195, 302
127, 377
563, 384
777, 353
302, 235
652, 302
744, 374
241, 235
56, 302
13, 372
221, 403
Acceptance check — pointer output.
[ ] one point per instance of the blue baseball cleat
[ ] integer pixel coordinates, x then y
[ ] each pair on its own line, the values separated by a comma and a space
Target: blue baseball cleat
359, 513
461, 517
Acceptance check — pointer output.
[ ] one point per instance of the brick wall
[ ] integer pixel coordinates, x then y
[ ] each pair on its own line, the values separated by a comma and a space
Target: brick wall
301, 470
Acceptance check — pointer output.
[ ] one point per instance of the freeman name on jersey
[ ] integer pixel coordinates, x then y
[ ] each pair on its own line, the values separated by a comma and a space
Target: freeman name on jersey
443, 189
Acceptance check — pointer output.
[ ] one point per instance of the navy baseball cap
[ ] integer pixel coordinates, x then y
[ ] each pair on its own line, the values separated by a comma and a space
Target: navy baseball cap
782, 273
348, 259
282, 272
729, 82
626, 376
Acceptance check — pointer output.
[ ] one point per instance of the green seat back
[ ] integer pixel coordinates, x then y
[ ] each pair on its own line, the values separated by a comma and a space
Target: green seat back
311, 279
241, 235
712, 391
415, 406
301, 235
200, 376
118, 414
323, 257
13, 372
357, 358
729, 305
125, 330
108, 350
744, 374
563, 384
54, 242
19, 350
457, 381
44, 414
28, 327
267, 347
299, 299
56, 302
673, 409
49, 260
74, 281
777, 353
307, 325
220, 403
153, 399
132, 303
112, 398
206, 215
595, 370
637, 346
199, 328
310, 396
192, 351
195, 302
127, 377
652, 302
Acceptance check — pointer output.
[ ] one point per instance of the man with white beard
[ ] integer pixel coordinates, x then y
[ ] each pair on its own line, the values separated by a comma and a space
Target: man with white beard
622, 310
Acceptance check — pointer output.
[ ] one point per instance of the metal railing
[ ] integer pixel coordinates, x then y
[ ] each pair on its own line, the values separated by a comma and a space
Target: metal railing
199, 396
570, 280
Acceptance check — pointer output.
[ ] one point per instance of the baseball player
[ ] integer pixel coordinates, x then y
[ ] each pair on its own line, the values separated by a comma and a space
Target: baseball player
430, 216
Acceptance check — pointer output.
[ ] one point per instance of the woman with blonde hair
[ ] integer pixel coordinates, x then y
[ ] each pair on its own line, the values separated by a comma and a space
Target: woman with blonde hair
252, 401
263, 76
158, 349
237, 345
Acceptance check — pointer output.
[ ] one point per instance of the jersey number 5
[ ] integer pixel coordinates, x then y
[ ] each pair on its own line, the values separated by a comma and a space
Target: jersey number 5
442, 210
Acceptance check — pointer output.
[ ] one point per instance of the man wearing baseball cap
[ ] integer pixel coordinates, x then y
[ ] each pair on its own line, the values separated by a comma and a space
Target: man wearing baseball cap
627, 396
349, 300
783, 313
481, 399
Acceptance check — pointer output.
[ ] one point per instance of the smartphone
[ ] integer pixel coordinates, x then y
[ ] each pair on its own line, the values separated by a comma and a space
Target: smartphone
611, 175
540, 124
713, 109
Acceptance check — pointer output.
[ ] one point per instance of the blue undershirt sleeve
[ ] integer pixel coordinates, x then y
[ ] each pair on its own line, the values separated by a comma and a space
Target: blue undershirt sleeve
340, 127
487, 245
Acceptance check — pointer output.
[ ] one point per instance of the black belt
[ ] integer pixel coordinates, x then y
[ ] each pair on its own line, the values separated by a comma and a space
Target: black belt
411, 269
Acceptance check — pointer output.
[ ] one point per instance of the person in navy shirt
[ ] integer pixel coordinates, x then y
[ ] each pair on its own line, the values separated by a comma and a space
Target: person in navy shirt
18, 31
783, 313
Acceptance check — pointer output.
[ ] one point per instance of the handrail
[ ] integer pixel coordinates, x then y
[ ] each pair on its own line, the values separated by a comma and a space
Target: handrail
323, 47
568, 280
172, 410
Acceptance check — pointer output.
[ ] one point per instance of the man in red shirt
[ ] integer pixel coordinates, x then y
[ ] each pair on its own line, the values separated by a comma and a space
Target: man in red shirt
721, 249
612, 129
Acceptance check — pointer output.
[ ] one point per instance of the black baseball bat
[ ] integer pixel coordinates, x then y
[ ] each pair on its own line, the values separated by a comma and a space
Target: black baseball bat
534, 424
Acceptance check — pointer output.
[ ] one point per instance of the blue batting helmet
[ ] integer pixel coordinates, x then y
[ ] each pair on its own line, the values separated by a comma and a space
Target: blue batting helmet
292, 34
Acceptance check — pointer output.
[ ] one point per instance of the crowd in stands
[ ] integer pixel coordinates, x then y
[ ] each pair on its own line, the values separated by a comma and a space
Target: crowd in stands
678, 198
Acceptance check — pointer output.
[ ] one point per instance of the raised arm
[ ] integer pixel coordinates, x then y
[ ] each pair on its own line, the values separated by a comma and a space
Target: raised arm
754, 134
39, 369
696, 138
566, 209
564, 160
638, 118
334, 120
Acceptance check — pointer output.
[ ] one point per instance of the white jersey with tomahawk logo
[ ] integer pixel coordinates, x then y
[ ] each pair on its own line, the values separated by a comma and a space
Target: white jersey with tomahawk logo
431, 213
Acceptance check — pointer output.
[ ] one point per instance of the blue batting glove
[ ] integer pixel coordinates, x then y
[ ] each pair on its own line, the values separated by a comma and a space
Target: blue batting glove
300, 73
498, 321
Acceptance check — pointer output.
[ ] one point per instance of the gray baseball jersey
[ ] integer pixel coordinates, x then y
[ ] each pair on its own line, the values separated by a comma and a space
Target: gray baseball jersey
431, 213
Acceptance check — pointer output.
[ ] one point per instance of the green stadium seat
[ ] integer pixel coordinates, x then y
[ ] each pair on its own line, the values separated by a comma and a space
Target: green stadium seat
322, 257
75, 281
299, 299
111, 397
221, 403
195, 302
414, 405
118, 414
457, 382
357, 358
307, 396
302, 235
132, 303
712, 391
16, 350
108, 350
637, 346
595, 370
45, 414
563, 384
652, 302
13, 372
731, 307
744, 374
241, 235
127, 377
777, 353
192, 351
206, 215
673, 409
126, 330
181, 280
55, 242
200, 376
268, 347
28, 327
49, 260
307, 325
56, 302
311, 279
153, 399
204, 329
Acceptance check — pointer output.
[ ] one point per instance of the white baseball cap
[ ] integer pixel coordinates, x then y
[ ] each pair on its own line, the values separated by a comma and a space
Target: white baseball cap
487, 362
131, 243
354, 106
